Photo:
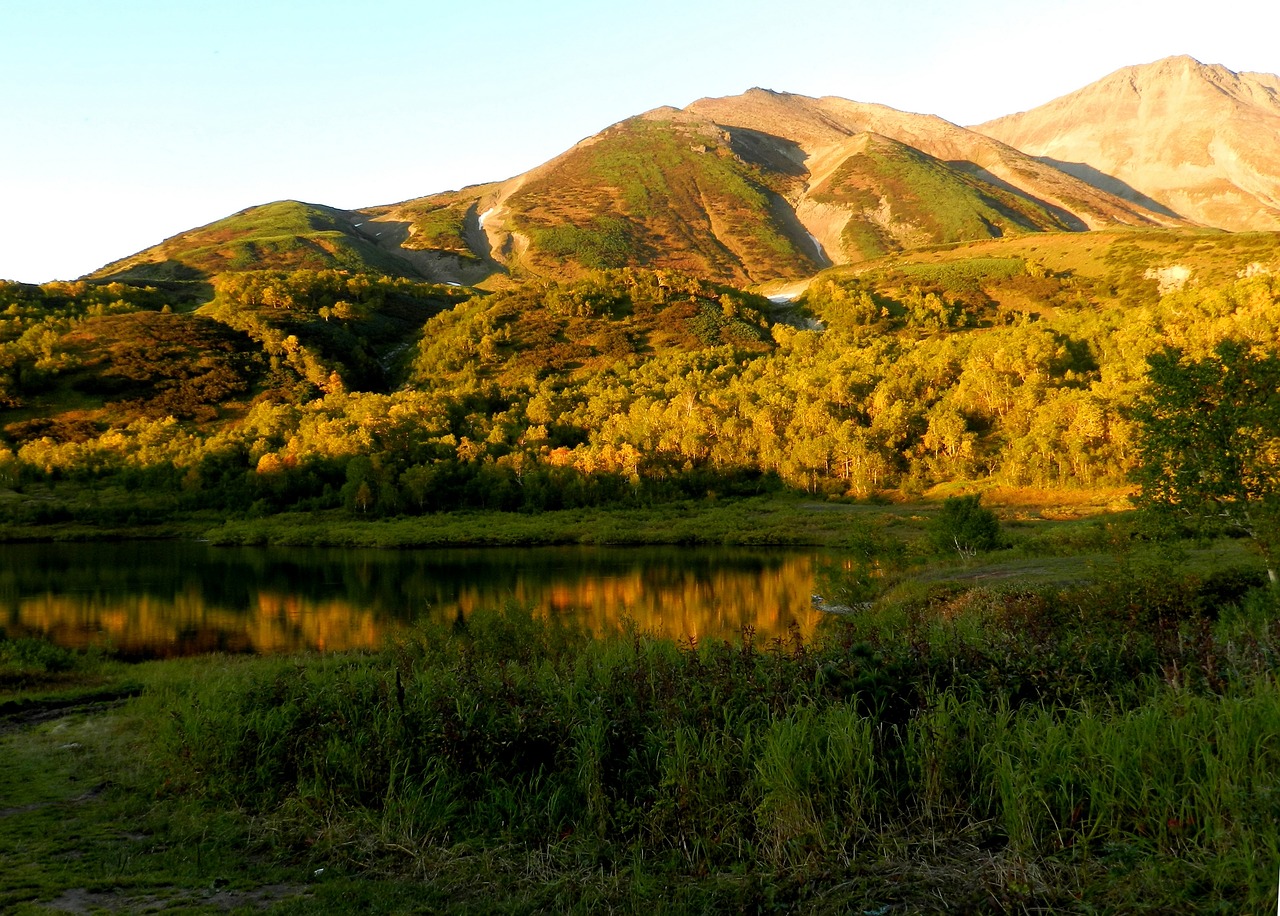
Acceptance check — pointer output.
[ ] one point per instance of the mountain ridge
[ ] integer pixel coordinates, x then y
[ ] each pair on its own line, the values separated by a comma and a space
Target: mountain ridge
765, 185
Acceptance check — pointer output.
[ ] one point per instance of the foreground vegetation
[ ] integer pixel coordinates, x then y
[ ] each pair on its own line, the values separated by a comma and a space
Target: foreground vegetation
1065, 748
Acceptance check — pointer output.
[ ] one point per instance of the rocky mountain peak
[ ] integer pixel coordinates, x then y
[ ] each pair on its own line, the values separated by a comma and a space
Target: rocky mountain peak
1199, 140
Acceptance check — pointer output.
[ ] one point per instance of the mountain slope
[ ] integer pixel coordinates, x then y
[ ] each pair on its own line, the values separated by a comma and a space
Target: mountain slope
825, 130
759, 186
742, 189
285, 235
1200, 140
671, 193
897, 198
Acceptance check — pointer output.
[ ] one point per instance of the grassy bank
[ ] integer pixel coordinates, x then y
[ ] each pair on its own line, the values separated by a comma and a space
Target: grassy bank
1060, 748
777, 519
759, 521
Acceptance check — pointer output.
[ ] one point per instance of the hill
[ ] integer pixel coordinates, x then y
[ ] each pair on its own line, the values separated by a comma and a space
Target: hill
285, 235
1197, 140
829, 131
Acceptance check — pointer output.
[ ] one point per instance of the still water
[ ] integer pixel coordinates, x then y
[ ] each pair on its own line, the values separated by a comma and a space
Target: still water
163, 599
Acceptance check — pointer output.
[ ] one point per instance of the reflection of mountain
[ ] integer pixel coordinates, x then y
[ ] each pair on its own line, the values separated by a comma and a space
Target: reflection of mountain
182, 599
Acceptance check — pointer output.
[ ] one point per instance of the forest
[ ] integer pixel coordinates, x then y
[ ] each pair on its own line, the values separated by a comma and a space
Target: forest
267, 391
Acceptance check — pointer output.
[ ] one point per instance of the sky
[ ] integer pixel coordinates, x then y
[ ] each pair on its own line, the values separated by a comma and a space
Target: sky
132, 120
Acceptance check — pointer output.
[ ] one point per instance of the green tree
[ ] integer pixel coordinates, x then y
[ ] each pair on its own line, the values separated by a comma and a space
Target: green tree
1209, 442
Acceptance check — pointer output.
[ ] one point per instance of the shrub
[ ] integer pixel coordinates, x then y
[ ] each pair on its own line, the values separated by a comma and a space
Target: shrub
963, 525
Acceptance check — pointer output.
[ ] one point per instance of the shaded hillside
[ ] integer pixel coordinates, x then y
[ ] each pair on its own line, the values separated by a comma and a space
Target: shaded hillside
90, 370
1197, 140
332, 331
79, 360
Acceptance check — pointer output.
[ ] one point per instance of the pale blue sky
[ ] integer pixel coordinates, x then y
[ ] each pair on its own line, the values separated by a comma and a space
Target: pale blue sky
132, 120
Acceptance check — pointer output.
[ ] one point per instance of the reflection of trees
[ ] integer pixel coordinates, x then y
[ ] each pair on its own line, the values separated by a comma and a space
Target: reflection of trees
673, 602
175, 599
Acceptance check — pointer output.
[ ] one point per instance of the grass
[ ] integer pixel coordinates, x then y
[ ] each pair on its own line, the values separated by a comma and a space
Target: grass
931, 202
780, 521
1074, 748
441, 228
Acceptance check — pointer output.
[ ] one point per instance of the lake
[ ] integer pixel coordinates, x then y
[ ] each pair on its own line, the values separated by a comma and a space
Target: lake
164, 599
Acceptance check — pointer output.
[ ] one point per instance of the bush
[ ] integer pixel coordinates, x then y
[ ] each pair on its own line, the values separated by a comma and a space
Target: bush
964, 526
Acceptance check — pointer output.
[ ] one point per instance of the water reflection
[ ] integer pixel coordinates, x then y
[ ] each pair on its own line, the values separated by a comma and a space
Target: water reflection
167, 599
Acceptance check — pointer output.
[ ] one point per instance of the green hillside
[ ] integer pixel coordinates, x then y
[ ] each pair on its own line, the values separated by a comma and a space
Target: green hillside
439, 222
662, 195
901, 198
286, 235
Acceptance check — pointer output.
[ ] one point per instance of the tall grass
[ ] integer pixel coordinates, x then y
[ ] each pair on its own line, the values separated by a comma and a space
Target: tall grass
1041, 728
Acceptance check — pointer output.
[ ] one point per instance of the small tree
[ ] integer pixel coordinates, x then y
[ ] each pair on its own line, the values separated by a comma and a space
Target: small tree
1209, 442
964, 526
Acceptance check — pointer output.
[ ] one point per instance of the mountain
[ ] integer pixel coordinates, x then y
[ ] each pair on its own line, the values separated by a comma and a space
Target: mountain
759, 186
743, 189
830, 134
1199, 141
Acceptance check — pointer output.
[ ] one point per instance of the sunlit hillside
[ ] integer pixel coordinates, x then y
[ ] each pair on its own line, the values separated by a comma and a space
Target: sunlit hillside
285, 235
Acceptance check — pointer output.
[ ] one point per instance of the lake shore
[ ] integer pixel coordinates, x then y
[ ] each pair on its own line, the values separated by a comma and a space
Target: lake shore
779, 519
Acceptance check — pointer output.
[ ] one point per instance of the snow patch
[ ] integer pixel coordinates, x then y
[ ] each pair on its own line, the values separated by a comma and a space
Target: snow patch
485, 215
1170, 279
817, 246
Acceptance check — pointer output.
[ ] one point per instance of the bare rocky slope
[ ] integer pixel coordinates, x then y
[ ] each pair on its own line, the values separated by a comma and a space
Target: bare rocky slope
1197, 140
